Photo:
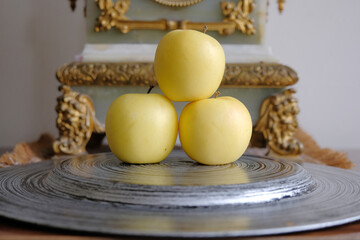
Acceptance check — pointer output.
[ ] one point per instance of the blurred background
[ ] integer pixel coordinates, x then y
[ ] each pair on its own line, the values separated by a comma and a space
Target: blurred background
319, 39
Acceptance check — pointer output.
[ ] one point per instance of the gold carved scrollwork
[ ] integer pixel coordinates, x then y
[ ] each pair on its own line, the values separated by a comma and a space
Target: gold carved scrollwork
142, 74
112, 15
239, 14
277, 122
76, 122
237, 17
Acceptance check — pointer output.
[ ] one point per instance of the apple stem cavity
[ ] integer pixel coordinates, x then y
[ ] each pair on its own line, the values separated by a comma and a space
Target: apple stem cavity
205, 28
217, 94
150, 88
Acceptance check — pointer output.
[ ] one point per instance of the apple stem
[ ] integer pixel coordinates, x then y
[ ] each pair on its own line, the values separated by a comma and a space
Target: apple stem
150, 88
217, 94
205, 28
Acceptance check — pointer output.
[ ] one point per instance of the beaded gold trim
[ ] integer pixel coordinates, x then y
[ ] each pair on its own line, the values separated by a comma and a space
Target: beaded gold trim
142, 74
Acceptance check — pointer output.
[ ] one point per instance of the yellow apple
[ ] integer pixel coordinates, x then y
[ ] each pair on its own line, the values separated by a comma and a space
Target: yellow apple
215, 131
141, 128
189, 65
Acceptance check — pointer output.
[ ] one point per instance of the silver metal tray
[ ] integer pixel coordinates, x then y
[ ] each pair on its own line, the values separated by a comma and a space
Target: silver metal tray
178, 197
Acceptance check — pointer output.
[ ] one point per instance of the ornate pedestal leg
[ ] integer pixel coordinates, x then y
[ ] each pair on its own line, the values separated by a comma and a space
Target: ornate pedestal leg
277, 123
76, 122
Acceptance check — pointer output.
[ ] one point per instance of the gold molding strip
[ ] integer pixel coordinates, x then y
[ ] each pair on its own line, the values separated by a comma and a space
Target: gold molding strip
237, 17
142, 74
259, 75
177, 3
106, 74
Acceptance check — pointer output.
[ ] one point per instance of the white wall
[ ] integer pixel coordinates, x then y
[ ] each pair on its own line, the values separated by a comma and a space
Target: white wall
36, 37
318, 38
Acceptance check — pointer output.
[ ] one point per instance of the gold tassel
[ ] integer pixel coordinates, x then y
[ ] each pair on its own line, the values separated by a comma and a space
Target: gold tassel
314, 153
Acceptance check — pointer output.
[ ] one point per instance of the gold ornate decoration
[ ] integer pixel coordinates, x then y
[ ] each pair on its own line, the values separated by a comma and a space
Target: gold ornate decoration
278, 124
76, 122
113, 15
142, 74
177, 3
281, 4
239, 15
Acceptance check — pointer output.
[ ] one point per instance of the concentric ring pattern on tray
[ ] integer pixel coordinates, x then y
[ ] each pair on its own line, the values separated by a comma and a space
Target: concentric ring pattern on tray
179, 181
178, 197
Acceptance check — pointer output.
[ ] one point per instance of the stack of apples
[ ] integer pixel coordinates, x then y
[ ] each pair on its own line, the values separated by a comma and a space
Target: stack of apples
189, 66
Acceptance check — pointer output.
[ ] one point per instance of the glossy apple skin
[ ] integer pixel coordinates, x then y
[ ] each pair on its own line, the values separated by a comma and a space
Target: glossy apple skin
189, 65
141, 128
215, 131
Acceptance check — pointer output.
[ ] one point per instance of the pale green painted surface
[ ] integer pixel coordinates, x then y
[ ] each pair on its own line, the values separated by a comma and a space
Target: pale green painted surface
102, 97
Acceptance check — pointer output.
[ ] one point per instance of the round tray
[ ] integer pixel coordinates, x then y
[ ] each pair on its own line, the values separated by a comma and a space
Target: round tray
178, 197
179, 181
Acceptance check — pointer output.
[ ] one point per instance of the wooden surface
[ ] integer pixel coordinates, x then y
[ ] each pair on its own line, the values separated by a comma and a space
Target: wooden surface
10, 229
